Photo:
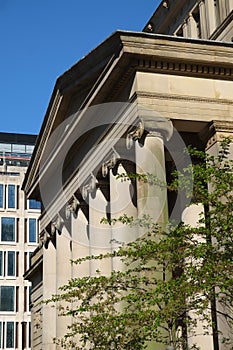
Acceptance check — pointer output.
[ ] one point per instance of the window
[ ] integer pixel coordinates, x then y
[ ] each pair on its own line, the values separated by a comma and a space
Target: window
8, 334
18, 148
5, 147
29, 335
7, 298
10, 330
33, 204
1, 263
29, 148
10, 263
1, 196
27, 299
27, 260
8, 230
11, 196
32, 231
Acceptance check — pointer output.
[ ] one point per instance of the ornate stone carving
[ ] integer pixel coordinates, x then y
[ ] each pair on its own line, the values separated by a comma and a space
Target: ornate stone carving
151, 122
56, 224
109, 164
218, 130
89, 187
44, 238
135, 134
72, 207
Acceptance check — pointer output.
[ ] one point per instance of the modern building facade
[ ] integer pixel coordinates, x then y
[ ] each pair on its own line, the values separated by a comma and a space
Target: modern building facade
19, 229
129, 105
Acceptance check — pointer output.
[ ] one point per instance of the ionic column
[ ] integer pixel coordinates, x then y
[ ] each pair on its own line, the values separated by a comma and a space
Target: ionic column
185, 29
80, 239
122, 194
192, 27
218, 131
99, 233
230, 6
211, 16
150, 159
191, 216
49, 314
203, 19
63, 273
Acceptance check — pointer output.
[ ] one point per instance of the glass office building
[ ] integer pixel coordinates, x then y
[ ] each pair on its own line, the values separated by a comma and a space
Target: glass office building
18, 240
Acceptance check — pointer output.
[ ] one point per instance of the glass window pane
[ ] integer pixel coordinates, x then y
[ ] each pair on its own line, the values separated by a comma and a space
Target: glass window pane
1, 196
29, 335
32, 230
18, 148
30, 256
11, 264
0, 335
11, 196
5, 147
29, 148
1, 263
10, 335
33, 204
7, 296
8, 229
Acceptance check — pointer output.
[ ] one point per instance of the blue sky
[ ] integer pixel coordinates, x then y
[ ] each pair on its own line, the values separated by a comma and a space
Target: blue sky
41, 39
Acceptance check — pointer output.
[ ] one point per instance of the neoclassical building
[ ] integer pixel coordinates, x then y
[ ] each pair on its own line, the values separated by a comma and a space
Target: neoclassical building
131, 104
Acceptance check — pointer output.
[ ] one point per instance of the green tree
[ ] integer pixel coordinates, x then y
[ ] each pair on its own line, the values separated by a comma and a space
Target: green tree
172, 280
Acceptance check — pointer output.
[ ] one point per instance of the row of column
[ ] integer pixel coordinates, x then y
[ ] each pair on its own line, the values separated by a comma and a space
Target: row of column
205, 18
88, 236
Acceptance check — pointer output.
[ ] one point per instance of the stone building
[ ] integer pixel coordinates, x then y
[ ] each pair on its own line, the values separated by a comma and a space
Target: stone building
168, 86
18, 239
205, 19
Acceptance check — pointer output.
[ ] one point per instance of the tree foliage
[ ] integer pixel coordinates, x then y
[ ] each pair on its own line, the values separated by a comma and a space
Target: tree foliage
173, 280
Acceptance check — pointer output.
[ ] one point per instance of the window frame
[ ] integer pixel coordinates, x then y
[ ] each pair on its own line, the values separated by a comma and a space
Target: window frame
1, 265
2, 196
37, 203
14, 299
6, 335
7, 264
14, 233
9, 186
28, 231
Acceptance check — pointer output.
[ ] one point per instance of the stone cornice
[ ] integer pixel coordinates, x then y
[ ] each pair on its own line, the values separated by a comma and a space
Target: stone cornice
187, 98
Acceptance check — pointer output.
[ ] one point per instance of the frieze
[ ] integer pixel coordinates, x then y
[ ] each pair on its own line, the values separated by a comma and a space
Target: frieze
186, 68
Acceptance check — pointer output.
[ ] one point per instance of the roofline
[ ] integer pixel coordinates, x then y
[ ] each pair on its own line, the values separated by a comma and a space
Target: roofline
112, 43
21, 138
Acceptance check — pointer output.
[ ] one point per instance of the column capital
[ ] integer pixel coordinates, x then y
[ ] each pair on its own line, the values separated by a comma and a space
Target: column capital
217, 131
155, 124
150, 122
